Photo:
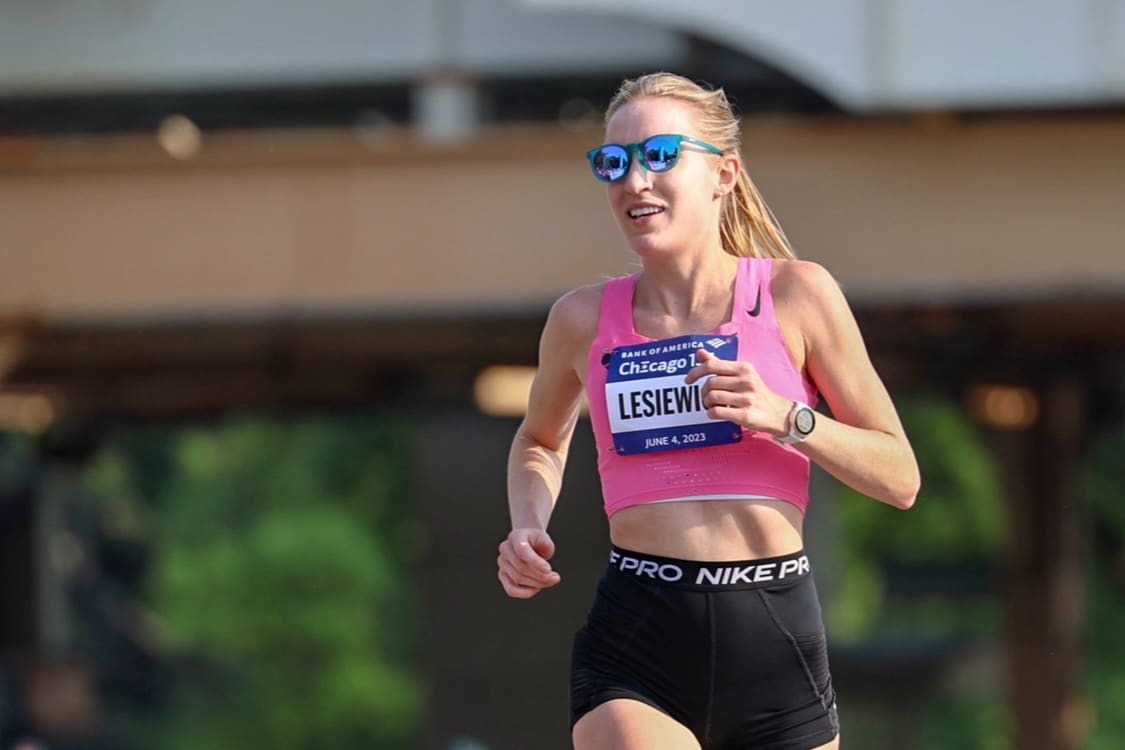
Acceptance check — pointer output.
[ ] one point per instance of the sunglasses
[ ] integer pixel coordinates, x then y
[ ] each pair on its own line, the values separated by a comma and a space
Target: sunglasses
659, 153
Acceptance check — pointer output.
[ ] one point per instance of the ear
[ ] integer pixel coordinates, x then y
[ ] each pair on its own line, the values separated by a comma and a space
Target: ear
727, 176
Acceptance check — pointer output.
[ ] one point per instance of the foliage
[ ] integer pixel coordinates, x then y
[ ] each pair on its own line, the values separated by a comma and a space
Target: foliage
966, 719
957, 521
913, 578
1103, 482
1105, 655
959, 517
280, 583
17, 454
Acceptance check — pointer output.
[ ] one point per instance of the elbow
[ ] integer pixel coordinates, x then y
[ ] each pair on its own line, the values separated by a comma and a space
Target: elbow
904, 501
904, 495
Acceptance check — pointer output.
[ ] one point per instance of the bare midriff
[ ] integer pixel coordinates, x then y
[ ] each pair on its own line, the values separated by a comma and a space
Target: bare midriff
713, 530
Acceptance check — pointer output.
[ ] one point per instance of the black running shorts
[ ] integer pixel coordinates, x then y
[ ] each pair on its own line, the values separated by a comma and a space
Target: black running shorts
734, 651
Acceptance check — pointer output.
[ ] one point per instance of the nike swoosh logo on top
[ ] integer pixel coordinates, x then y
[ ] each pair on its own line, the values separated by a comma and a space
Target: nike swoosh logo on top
757, 304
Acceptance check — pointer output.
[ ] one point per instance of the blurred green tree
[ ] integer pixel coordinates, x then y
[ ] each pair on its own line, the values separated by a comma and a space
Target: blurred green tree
922, 585
281, 580
955, 528
1103, 483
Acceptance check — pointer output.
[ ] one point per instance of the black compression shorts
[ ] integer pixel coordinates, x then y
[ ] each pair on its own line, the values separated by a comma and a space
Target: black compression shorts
734, 651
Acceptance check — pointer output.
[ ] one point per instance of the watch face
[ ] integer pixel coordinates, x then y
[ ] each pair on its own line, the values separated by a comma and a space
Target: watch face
804, 420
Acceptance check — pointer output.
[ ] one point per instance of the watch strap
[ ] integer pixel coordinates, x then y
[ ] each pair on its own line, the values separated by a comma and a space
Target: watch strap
794, 435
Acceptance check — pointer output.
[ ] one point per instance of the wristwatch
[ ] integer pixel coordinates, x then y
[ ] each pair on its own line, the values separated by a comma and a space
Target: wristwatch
801, 422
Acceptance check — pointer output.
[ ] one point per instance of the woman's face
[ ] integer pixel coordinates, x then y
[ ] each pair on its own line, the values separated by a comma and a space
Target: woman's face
687, 198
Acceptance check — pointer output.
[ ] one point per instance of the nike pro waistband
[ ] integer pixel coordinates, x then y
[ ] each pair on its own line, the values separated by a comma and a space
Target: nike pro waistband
709, 576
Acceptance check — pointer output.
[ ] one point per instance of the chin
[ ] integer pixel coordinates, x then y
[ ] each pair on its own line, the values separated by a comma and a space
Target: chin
647, 246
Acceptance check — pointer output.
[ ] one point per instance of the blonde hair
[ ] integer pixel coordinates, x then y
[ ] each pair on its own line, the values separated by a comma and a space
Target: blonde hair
747, 227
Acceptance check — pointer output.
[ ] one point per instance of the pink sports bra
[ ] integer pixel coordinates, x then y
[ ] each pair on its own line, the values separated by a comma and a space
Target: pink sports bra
655, 441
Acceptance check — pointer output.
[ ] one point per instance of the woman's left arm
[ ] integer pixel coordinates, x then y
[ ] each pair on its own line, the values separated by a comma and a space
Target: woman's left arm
864, 445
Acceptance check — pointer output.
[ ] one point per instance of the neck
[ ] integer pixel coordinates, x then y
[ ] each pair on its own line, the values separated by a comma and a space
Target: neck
682, 286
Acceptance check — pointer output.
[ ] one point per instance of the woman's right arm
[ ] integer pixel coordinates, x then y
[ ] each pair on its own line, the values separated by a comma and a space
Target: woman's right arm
538, 455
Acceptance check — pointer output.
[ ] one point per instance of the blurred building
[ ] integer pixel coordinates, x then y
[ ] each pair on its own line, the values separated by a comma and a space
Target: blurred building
207, 206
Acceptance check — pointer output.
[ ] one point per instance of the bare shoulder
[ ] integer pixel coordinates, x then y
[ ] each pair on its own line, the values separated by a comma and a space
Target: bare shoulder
805, 281
810, 300
575, 314
571, 328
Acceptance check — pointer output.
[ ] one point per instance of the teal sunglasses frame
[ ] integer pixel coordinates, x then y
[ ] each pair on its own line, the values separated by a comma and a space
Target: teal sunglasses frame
640, 148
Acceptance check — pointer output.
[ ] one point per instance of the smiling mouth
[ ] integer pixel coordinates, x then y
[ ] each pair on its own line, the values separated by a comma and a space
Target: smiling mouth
639, 213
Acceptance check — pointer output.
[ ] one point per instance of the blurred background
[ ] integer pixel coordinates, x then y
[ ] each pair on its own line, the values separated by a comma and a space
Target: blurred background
272, 275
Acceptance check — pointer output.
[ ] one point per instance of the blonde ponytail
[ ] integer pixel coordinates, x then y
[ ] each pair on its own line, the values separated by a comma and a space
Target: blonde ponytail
747, 227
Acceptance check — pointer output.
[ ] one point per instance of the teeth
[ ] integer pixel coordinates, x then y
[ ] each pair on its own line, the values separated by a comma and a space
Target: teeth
637, 213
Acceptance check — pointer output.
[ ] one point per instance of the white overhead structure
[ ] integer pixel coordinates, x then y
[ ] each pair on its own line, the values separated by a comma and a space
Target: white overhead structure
825, 43
131, 45
907, 54
866, 55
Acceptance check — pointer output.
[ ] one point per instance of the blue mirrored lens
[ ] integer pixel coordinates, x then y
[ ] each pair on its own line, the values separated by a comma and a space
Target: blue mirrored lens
661, 153
611, 163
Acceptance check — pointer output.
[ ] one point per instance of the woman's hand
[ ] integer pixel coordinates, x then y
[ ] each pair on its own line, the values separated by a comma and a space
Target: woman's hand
735, 392
524, 570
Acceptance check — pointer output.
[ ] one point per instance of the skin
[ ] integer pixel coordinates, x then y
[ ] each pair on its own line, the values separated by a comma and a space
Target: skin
686, 286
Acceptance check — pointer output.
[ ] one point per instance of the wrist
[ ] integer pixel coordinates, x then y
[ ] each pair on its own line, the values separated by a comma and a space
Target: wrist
785, 415
528, 522
799, 424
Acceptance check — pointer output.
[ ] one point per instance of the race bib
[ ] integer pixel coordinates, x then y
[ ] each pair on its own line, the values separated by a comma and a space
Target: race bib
651, 408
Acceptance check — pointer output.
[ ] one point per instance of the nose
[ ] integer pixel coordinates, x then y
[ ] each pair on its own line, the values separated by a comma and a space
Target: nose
637, 179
